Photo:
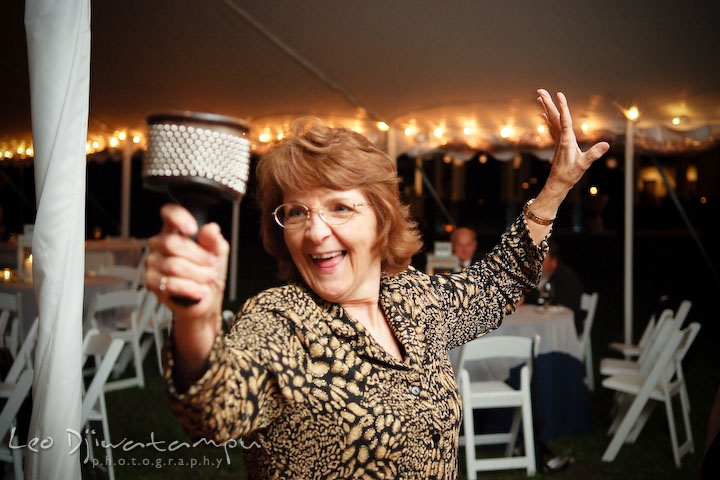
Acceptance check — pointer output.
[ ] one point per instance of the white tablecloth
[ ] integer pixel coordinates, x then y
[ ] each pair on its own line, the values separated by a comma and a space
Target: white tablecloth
555, 326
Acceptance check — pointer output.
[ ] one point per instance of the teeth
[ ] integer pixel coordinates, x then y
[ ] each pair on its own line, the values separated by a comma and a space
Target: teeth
325, 256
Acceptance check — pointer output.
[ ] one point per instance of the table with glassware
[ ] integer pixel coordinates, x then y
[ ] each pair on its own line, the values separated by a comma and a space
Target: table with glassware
560, 402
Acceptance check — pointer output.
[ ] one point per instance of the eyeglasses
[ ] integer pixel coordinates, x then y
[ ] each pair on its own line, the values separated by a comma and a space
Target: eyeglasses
295, 215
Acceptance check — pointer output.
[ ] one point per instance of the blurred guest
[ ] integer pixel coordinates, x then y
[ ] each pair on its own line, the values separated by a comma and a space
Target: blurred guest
464, 244
559, 285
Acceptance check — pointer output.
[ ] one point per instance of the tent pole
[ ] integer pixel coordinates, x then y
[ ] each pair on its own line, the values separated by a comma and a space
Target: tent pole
126, 173
629, 204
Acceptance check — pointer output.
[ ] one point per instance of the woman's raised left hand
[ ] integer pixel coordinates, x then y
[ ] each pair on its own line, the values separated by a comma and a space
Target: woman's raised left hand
569, 162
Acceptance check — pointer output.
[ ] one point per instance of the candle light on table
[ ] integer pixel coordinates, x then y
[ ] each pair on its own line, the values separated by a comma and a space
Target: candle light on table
27, 268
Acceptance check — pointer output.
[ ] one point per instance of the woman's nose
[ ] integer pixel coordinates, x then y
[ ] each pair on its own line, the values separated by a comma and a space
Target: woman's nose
316, 229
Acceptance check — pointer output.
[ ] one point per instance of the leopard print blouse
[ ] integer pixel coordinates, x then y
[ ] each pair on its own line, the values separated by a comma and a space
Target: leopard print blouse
306, 382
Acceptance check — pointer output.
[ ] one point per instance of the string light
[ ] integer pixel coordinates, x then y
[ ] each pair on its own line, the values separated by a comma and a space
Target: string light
383, 127
439, 131
136, 139
113, 142
122, 135
541, 128
593, 191
676, 121
507, 131
632, 113
584, 127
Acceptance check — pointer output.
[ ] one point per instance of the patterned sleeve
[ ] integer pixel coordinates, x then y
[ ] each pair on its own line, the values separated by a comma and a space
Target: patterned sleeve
239, 392
478, 298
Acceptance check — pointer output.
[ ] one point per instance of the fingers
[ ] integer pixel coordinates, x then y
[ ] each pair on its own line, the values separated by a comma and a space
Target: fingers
178, 219
210, 238
552, 115
565, 119
596, 151
166, 286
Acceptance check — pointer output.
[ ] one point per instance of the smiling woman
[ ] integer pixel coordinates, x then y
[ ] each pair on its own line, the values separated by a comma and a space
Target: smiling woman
345, 370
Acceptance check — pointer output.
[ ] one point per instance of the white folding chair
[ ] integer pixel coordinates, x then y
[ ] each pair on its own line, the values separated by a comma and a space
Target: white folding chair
12, 304
10, 410
661, 384
105, 349
635, 350
130, 274
497, 394
127, 320
588, 304
23, 360
632, 349
665, 327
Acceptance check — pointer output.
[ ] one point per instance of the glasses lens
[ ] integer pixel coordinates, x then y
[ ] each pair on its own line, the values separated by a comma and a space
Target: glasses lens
291, 214
338, 213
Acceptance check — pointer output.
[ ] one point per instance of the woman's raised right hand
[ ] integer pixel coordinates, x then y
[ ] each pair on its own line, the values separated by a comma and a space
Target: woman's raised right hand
177, 265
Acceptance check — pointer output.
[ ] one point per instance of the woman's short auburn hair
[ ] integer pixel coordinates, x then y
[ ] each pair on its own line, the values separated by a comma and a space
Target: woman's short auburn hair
313, 156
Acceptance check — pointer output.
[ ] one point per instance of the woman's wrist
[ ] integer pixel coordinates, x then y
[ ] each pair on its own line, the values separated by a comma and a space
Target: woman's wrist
548, 201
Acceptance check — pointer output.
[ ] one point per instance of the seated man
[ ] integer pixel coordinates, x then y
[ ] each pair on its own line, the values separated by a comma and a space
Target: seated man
566, 288
464, 244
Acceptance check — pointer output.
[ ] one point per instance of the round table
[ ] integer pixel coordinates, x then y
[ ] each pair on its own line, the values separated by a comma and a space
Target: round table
560, 402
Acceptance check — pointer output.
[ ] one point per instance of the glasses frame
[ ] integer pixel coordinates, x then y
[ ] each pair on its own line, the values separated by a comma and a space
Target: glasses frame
309, 210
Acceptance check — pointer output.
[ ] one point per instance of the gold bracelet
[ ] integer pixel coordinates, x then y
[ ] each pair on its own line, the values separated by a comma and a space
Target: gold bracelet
534, 218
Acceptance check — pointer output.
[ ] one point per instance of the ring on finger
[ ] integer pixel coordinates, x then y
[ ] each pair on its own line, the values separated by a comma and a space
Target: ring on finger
163, 284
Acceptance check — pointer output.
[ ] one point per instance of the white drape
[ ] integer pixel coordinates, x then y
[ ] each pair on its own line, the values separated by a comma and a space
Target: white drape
58, 38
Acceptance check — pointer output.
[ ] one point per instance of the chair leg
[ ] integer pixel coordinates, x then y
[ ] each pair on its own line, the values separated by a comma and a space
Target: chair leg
106, 437
685, 406
158, 345
517, 416
671, 427
641, 421
625, 426
589, 374
17, 464
139, 374
618, 411
529, 438
469, 445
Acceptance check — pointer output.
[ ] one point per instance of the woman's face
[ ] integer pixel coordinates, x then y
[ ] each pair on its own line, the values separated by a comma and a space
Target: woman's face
338, 262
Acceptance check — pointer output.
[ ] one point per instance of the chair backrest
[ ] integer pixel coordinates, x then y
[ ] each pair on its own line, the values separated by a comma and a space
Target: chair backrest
648, 332
498, 346
11, 407
654, 351
689, 334
588, 304
102, 302
25, 355
10, 301
683, 310
665, 316
126, 272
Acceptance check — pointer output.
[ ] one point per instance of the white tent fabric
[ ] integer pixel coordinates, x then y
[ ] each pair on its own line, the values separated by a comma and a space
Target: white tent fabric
58, 37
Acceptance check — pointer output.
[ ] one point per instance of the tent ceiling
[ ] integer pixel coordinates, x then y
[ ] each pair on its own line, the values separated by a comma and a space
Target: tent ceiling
432, 63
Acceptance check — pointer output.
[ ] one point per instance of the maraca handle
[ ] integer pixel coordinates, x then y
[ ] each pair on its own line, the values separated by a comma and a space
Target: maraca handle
184, 301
